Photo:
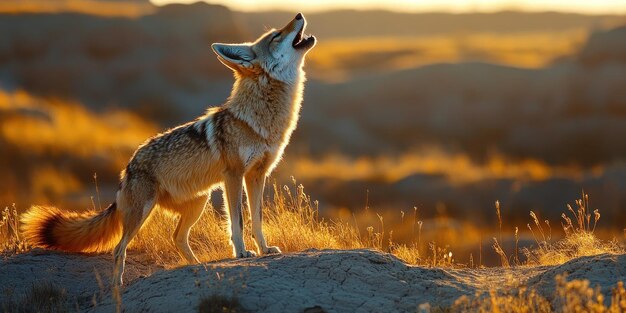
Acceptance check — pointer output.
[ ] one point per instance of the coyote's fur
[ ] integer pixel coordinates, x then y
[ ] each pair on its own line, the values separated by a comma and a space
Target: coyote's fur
176, 170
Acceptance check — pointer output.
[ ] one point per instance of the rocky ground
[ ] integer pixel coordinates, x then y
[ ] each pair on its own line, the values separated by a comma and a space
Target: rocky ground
309, 281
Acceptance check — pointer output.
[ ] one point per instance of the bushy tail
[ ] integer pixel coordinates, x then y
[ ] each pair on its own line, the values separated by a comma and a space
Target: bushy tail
91, 231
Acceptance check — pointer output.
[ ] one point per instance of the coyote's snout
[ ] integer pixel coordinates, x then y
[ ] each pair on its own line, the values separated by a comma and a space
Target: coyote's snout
239, 142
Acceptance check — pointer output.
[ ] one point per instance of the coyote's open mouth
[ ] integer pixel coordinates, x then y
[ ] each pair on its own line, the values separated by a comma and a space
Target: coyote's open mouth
303, 41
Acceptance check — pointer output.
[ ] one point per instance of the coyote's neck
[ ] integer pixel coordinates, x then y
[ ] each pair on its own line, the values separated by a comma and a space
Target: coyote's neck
269, 106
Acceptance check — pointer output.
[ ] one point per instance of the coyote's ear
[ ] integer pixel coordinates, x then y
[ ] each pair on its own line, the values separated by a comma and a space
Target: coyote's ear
235, 56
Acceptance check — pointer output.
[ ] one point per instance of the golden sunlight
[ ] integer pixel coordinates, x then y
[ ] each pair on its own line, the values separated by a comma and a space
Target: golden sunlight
456, 168
449, 151
456, 6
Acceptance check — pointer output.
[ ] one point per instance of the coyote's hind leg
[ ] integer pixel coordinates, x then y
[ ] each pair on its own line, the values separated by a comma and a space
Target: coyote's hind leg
135, 201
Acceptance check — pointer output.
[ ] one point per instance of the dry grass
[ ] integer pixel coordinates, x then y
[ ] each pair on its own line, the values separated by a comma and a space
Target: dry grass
579, 226
524, 301
10, 237
44, 297
291, 221
571, 296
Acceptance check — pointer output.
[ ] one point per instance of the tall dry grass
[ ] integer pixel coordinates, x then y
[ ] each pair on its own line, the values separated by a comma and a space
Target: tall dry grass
579, 227
290, 220
44, 297
576, 296
11, 240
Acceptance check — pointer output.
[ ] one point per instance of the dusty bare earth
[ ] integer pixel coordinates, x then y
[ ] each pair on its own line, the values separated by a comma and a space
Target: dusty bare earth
309, 281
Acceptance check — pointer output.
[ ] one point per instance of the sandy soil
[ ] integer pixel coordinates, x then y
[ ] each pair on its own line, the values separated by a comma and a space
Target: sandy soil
309, 281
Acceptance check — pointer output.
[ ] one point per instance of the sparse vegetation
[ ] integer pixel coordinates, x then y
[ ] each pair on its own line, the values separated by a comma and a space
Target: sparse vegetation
523, 301
10, 239
570, 296
44, 297
579, 226
291, 221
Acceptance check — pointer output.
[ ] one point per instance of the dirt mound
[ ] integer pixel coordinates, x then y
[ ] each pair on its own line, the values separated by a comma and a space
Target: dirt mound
330, 280
603, 270
82, 276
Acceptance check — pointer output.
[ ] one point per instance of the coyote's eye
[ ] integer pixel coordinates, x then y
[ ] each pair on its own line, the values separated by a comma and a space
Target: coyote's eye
274, 37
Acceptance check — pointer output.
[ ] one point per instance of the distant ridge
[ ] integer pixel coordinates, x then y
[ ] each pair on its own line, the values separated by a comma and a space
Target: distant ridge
131, 1
349, 23
128, 8
341, 23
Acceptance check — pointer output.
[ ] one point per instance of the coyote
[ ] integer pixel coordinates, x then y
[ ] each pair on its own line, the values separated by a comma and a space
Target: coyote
242, 140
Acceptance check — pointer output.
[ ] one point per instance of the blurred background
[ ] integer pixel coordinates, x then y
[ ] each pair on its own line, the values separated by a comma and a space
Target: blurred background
435, 110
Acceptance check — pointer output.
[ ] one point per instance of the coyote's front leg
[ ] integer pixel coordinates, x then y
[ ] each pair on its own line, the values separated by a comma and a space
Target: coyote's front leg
255, 183
233, 185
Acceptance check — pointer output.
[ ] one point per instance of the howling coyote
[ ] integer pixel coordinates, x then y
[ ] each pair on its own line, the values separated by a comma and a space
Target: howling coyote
242, 140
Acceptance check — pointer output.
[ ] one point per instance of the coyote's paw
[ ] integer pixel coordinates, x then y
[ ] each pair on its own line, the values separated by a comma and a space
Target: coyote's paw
272, 250
246, 254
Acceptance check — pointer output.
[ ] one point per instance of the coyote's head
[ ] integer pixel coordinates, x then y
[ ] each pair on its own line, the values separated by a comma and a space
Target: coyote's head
279, 53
